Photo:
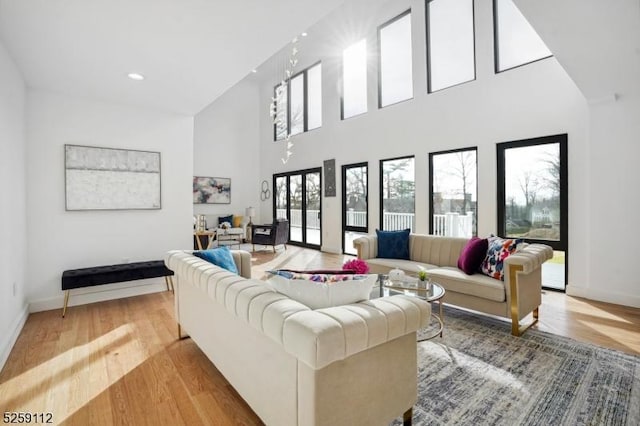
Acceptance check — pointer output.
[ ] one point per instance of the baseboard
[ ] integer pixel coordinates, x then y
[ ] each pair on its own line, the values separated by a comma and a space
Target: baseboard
83, 296
10, 338
605, 296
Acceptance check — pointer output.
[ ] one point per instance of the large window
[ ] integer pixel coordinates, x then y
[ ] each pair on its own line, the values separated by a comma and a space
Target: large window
395, 61
453, 202
532, 198
450, 43
354, 79
281, 119
355, 211
398, 193
516, 42
299, 103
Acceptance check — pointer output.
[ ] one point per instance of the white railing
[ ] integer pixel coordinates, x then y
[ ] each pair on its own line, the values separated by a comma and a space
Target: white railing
313, 217
355, 218
448, 224
453, 225
393, 221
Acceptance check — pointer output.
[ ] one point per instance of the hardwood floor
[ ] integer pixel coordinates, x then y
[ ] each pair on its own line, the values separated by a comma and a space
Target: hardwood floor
118, 362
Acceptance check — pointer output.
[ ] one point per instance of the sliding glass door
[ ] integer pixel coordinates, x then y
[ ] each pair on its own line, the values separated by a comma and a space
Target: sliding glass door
355, 212
298, 199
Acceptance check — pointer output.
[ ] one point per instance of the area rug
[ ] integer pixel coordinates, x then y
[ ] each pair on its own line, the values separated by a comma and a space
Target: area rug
479, 374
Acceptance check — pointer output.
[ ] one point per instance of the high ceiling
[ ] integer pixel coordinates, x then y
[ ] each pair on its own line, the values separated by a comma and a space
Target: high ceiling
190, 51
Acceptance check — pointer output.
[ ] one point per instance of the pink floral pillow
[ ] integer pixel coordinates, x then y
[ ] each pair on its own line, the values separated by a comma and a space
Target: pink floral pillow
499, 249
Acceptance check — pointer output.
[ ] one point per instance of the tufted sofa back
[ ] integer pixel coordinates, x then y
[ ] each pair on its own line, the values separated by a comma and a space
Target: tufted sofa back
436, 250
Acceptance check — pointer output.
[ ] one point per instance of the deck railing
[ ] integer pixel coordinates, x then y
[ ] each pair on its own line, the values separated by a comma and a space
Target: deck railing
448, 224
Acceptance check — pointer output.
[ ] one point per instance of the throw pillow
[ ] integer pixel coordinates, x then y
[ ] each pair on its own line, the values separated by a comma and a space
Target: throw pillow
323, 290
237, 222
498, 250
393, 244
222, 219
220, 256
472, 255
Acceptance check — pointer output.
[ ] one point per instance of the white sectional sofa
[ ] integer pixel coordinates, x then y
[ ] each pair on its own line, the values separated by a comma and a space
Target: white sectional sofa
348, 365
518, 295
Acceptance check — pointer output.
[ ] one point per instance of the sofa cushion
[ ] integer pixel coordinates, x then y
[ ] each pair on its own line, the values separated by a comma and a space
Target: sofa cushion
498, 250
393, 244
472, 255
453, 279
220, 256
237, 221
323, 290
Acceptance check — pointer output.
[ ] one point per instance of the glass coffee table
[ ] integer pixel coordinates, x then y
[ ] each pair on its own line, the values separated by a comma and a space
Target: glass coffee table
432, 293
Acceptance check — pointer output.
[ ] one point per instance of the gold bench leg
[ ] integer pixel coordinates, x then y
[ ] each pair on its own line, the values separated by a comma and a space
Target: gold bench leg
66, 302
169, 281
407, 416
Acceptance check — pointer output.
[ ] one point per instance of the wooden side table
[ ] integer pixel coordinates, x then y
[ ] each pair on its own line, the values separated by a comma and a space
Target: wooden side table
198, 234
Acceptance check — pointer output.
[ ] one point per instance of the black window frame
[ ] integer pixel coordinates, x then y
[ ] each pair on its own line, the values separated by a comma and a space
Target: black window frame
431, 183
342, 117
379, 56
287, 176
496, 49
345, 227
563, 243
428, 48
381, 186
305, 82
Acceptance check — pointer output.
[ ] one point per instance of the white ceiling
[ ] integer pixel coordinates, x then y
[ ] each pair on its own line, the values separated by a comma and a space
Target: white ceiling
190, 51
597, 42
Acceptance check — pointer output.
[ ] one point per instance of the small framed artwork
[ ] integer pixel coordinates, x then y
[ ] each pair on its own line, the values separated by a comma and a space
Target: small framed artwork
211, 190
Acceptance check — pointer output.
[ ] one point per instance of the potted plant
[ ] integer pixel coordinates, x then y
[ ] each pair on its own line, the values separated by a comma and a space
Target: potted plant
423, 276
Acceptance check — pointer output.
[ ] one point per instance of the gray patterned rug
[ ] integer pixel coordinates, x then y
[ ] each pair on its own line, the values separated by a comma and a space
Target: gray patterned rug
479, 374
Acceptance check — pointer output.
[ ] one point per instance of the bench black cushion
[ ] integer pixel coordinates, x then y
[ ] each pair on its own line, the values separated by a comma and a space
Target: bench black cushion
87, 277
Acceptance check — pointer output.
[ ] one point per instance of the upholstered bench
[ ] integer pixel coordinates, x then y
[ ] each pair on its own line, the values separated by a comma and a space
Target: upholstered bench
87, 277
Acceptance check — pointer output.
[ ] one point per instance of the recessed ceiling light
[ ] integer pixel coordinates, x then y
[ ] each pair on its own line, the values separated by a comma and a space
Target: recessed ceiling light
304, 34
254, 71
135, 76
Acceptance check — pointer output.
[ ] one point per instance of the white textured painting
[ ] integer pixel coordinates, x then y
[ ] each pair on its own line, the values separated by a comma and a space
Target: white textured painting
111, 179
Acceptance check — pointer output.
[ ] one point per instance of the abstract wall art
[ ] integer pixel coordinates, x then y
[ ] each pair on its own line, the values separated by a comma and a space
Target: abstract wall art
111, 179
211, 190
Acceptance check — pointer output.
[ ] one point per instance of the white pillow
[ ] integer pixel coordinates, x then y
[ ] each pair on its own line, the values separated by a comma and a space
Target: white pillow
339, 290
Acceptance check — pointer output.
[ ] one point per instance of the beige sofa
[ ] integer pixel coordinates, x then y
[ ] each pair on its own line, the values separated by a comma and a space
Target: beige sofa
518, 295
348, 365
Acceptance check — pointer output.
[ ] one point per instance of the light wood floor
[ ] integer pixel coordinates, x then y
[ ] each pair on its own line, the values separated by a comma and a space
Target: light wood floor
119, 362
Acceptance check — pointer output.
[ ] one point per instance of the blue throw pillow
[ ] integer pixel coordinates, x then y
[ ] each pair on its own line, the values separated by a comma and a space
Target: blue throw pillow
220, 256
222, 219
393, 244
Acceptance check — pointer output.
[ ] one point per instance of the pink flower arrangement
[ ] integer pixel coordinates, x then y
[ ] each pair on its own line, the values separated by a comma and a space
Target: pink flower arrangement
358, 265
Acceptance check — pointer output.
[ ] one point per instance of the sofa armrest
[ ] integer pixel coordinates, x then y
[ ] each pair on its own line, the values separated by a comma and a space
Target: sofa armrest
530, 258
523, 283
242, 259
367, 246
321, 337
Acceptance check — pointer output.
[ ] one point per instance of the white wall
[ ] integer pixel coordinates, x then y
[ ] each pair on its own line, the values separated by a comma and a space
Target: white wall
59, 239
612, 192
535, 100
226, 136
13, 231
